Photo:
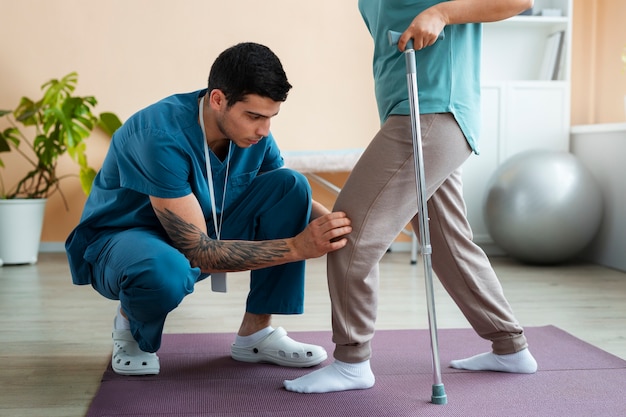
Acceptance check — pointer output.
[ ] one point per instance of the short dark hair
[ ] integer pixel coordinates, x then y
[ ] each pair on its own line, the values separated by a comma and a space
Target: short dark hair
249, 68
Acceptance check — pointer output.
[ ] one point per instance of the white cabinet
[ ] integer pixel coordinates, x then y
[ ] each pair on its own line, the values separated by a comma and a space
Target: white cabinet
601, 148
522, 107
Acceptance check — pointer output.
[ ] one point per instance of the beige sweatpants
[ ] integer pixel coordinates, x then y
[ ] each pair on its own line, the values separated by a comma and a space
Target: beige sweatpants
380, 199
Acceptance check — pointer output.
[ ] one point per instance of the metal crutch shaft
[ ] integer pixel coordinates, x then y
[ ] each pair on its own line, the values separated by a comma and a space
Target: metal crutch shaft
438, 391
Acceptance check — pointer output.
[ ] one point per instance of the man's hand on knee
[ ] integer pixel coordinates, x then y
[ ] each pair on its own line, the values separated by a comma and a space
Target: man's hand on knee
324, 234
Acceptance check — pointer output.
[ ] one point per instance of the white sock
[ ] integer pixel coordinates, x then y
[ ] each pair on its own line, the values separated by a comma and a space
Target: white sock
338, 376
521, 362
254, 338
120, 322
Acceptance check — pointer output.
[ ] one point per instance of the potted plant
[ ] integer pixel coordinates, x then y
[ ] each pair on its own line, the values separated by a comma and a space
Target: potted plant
41, 131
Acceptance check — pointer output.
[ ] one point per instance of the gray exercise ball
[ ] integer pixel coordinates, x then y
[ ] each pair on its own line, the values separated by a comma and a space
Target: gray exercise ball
542, 207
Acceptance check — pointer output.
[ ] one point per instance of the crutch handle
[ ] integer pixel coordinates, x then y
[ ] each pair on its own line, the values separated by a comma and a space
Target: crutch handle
394, 37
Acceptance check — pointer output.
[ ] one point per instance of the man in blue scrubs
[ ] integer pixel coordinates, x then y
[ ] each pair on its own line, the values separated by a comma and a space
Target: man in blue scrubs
192, 185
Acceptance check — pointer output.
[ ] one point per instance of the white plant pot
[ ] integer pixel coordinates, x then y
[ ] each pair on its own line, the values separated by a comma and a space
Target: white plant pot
21, 221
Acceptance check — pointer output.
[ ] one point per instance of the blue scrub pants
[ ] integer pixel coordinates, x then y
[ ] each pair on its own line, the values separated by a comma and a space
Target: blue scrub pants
150, 277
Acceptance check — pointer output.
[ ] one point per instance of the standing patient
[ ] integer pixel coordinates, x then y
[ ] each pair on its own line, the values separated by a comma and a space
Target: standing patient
191, 186
379, 196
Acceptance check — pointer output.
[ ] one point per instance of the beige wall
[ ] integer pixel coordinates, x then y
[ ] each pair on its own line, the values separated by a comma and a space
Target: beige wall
129, 53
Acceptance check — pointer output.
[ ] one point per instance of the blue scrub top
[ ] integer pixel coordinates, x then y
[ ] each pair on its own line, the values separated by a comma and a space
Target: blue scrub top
448, 72
159, 152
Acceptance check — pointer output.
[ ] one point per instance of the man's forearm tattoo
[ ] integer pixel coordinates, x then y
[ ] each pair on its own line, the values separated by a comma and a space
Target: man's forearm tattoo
220, 255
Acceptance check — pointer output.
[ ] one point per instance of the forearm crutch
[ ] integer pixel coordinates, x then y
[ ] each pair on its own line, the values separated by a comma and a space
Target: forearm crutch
439, 393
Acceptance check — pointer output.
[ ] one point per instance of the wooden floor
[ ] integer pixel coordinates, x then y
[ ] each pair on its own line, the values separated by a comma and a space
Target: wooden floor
55, 337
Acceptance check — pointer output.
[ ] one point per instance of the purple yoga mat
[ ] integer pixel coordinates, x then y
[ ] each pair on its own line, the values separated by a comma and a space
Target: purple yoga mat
198, 378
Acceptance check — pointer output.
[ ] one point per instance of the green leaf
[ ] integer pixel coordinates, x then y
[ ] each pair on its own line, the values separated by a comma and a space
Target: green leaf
27, 111
87, 176
56, 91
10, 134
78, 154
109, 123
4, 146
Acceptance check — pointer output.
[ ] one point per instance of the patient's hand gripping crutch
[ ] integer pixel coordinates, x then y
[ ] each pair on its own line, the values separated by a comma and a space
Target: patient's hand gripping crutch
438, 393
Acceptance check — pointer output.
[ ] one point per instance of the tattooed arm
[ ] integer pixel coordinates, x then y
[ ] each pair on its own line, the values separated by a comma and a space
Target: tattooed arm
183, 220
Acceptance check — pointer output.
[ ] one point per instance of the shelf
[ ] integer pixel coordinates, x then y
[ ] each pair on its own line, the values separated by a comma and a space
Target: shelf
599, 128
536, 19
491, 83
530, 21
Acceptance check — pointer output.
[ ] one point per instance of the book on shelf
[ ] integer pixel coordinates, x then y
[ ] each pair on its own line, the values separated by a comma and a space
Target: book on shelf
552, 56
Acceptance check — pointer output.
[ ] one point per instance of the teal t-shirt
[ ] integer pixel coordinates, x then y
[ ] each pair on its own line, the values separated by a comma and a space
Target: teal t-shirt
448, 72
159, 151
